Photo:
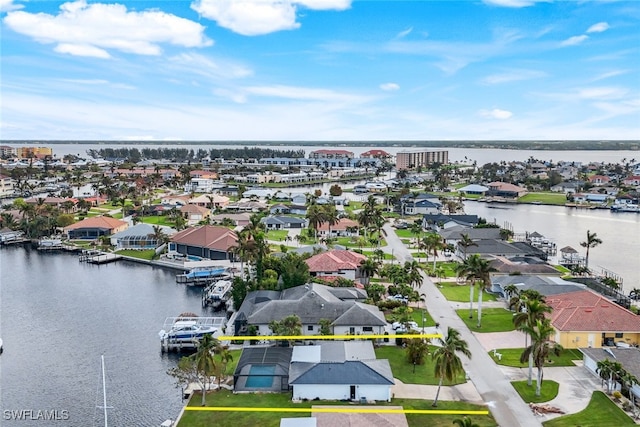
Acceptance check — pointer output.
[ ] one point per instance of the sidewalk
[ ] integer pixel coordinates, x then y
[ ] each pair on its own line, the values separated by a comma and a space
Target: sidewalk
461, 393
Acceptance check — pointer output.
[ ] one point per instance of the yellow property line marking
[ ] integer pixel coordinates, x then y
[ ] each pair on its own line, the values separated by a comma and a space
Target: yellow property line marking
378, 410
323, 337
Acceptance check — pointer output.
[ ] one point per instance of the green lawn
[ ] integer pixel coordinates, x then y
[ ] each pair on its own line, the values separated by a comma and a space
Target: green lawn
406, 234
283, 400
600, 412
277, 235
403, 370
547, 198
158, 220
511, 357
371, 254
147, 254
454, 292
493, 319
548, 391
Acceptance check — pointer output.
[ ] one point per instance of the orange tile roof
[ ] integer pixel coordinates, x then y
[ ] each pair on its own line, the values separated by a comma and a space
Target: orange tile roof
207, 236
97, 222
342, 224
589, 311
335, 260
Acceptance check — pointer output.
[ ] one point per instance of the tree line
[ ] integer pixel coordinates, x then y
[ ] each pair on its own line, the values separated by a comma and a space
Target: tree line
132, 154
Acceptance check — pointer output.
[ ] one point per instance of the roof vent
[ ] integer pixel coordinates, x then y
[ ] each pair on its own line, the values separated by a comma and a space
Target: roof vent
588, 311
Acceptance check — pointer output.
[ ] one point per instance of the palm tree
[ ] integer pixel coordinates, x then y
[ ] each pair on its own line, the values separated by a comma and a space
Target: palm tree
533, 310
205, 362
464, 242
447, 364
476, 269
316, 216
541, 347
629, 380
465, 422
368, 268
432, 243
609, 371
413, 275
591, 242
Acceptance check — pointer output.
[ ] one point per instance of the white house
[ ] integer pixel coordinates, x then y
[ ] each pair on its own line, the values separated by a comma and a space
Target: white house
339, 370
629, 358
200, 185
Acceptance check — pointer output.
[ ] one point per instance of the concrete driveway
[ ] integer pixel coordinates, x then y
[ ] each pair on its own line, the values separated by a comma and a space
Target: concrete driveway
491, 340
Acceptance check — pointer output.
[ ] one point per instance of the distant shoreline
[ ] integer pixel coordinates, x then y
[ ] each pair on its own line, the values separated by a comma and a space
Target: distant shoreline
582, 145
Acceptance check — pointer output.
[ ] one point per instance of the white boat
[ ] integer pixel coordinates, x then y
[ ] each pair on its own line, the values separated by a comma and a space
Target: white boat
186, 330
216, 293
0, 345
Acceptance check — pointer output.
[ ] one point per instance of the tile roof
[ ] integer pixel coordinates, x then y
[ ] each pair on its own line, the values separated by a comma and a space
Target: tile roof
588, 311
342, 224
105, 222
335, 260
207, 236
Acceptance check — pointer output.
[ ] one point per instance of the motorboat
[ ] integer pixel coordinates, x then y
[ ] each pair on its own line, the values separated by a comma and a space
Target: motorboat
216, 293
186, 330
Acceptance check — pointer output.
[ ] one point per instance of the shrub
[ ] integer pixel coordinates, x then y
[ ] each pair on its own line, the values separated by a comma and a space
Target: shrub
617, 395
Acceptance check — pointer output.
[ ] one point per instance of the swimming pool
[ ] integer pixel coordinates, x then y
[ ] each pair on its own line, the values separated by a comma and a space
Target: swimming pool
261, 376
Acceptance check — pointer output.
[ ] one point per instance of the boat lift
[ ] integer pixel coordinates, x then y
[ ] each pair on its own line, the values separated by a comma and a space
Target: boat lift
168, 344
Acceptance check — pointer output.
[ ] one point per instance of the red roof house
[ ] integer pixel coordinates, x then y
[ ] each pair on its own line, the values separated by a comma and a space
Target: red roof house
206, 241
337, 262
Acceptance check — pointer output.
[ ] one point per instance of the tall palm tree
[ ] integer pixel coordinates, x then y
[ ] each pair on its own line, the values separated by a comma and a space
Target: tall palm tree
204, 359
432, 243
413, 275
609, 371
541, 347
368, 268
533, 310
316, 216
591, 242
447, 364
629, 380
477, 269
465, 242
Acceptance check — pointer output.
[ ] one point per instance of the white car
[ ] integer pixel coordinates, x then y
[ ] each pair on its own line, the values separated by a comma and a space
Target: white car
622, 344
400, 298
399, 327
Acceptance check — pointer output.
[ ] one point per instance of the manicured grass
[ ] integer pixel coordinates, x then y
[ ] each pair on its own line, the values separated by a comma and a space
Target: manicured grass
547, 198
278, 235
283, 400
406, 234
147, 254
511, 357
371, 254
601, 411
493, 319
403, 370
548, 391
158, 220
562, 269
416, 316
455, 292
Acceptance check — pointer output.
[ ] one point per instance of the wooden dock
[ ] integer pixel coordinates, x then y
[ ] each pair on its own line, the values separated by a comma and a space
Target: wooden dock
100, 258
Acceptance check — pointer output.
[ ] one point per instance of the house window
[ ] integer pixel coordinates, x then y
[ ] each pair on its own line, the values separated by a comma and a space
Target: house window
619, 334
310, 328
367, 329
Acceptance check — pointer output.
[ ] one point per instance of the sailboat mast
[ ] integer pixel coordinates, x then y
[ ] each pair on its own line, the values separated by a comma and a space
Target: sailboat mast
104, 393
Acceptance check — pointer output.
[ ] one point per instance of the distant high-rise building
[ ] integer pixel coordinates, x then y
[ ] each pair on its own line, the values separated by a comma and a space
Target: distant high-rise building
36, 152
413, 159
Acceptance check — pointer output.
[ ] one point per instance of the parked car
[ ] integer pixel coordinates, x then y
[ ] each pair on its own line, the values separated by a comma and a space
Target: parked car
400, 327
400, 298
622, 344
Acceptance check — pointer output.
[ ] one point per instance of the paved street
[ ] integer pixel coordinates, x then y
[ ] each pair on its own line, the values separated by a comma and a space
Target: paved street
492, 384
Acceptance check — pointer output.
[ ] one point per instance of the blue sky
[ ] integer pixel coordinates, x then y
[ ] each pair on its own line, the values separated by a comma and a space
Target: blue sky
320, 70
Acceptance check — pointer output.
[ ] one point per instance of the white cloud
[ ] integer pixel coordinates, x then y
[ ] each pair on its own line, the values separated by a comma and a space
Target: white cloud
7, 5
389, 86
258, 17
598, 28
602, 93
403, 34
609, 74
496, 113
513, 76
93, 29
302, 93
575, 40
511, 3
208, 67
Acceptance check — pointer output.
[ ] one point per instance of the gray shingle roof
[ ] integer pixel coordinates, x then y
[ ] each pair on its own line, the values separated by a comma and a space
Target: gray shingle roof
349, 372
629, 358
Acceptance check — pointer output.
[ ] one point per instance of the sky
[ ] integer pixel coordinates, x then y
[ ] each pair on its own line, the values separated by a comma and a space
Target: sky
320, 70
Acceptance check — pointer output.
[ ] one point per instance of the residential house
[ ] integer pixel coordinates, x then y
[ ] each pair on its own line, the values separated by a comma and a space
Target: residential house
258, 193
176, 200
339, 370
200, 185
140, 236
249, 375
441, 221
299, 199
56, 202
199, 173
279, 208
421, 207
375, 154
194, 214
311, 303
211, 201
205, 241
585, 318
494, 247
336, 263
632, 181
522, 265
546, 285
567, 187
281, 222
345, 227
591, 197
246, 206
599, 180
239, 219
476, 189
94, 227
298, 209
331, 154
505, 189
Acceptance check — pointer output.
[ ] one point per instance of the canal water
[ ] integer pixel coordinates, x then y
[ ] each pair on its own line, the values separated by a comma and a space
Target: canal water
619, 231
58, 316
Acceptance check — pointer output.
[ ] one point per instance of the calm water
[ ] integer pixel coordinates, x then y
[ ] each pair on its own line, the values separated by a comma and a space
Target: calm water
59, 315
619, 231
479, 155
